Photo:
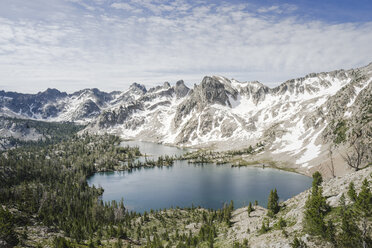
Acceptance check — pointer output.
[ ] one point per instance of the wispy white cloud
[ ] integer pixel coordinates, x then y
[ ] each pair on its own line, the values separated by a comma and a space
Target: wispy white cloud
110, 44
127, 7
278, 9
124, 6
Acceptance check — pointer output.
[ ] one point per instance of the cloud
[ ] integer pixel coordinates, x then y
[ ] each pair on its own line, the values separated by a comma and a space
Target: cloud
278, 9
124, 6
72, 47
127, 7
268, 9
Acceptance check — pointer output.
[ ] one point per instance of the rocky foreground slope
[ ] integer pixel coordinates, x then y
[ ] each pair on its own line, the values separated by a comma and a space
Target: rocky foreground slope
298, 121
44, 213
248, 227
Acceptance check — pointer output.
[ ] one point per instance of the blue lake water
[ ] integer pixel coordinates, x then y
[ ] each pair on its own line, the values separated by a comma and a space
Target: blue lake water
184, 184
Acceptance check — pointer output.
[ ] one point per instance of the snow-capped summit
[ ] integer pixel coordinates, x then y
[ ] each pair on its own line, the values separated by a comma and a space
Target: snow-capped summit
297, 118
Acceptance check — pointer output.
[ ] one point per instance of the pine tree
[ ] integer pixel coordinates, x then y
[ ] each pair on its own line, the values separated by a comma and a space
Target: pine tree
265, 227
7, 222
250, 209
121, 233
231, 206
281, 223
91, 244
211, 238
331, 232
245, 243
298, 243
273, 203
364, 206
351, 192
364, 199
317, 179
350, 235
315, 209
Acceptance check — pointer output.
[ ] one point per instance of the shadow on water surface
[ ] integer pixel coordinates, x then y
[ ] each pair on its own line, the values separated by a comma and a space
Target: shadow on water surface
184, 184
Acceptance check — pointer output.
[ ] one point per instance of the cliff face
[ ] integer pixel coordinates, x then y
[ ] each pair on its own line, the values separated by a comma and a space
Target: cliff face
297, 121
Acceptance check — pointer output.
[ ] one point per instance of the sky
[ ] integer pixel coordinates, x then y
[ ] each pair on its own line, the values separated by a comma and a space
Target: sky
109, 44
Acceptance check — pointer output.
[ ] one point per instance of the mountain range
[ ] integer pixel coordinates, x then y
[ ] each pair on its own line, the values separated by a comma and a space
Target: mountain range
297, 121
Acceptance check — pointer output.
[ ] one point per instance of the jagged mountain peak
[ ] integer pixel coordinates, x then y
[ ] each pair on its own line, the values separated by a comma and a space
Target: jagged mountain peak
181, 89
214, 90
138, 88
256, 84
289, 118
93, 92
134, 92
163, 87
180, 82
166, 85
323, 83
364, 70
88, 91
48, 94
51, 92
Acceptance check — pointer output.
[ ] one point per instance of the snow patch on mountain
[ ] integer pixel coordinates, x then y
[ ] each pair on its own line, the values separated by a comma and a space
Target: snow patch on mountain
311, 149
289, 119
357, 91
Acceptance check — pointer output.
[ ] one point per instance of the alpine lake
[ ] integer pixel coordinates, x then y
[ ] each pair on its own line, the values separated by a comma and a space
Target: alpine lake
186, 184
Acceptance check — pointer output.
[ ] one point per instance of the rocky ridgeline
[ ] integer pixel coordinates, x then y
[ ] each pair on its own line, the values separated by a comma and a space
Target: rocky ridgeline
297, 121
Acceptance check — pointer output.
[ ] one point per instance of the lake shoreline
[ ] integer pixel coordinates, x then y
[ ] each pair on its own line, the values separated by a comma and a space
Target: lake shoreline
245, 181
237, 161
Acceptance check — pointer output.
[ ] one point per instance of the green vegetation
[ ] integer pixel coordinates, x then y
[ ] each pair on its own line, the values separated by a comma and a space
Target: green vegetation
298, 243
351, 192
44, 191
241, 245
281, 223
265, 227
351, 229
250, 209
44, 185
273, 203
350, 235
233, 156
7, 224
52, 132
161, 161
237, 158
316, 208
249, 150
340, 132
49, 182
317, 180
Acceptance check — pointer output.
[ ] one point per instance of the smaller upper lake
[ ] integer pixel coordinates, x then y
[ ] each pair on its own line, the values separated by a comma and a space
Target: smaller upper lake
153, 150
184, 184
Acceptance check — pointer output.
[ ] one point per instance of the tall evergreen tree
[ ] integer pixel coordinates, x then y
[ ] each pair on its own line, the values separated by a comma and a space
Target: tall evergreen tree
364, 199
250, 209
273, 203
315, 209
331, 232
7, 232
317, 179
350, 235
364, 206
351, 192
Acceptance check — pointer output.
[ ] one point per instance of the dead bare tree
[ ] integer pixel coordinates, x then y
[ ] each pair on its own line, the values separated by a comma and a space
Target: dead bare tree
356, 155
331, 166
